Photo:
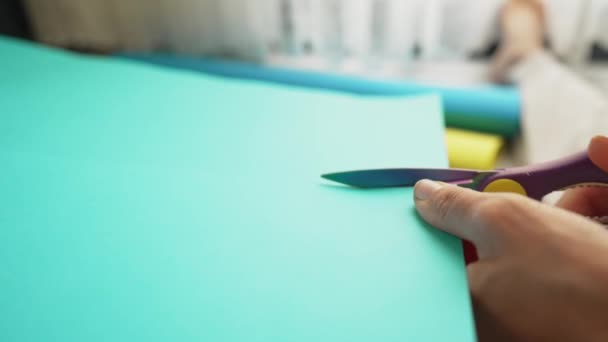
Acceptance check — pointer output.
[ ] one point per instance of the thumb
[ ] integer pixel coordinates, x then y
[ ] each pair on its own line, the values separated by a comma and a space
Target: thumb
449, 208
493, 222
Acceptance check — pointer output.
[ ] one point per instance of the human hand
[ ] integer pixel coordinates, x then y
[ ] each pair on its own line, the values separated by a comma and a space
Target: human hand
542, 272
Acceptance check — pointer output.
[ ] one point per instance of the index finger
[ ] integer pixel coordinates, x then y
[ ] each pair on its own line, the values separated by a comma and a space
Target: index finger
598, 152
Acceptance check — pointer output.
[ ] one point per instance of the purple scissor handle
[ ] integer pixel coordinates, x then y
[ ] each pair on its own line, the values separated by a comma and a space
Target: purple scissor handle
534, 181
538, 180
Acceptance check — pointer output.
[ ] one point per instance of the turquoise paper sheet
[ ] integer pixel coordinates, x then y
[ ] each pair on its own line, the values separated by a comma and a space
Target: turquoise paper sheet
491, 109
141, 204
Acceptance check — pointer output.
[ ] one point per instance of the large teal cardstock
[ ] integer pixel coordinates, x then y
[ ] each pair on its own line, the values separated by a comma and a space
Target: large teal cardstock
140, 204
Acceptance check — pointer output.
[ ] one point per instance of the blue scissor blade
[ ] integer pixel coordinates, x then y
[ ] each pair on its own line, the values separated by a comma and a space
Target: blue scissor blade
382, 178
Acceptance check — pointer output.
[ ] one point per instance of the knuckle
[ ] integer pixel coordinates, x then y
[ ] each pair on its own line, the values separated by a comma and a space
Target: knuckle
445, 200
490, 210
497, 209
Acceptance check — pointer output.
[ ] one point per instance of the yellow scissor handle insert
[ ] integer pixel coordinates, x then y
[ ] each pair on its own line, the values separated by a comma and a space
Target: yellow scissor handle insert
505, 185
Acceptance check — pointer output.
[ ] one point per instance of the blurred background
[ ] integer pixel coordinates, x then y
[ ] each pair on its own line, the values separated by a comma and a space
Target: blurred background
455, 43
381, 37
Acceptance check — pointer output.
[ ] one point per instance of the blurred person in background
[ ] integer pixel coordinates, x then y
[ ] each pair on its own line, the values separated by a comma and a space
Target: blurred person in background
561, 108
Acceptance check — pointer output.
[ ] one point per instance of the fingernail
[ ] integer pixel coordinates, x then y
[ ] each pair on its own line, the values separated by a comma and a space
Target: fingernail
425, 188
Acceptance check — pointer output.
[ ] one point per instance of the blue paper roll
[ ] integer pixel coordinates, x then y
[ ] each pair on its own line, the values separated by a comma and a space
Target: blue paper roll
492, 109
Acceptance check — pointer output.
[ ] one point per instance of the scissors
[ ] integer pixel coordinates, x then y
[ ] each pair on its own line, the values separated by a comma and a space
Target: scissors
534, 181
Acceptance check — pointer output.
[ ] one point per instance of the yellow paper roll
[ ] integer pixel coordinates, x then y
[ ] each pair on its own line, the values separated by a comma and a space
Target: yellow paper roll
472, 150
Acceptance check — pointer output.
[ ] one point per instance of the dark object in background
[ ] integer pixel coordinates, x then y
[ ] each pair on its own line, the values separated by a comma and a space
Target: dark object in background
13, 20
598, 53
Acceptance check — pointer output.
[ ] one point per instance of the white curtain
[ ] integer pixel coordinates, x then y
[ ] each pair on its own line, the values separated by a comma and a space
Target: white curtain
329, 30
